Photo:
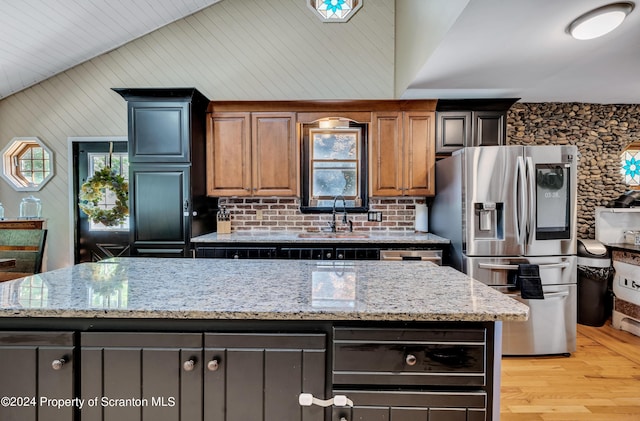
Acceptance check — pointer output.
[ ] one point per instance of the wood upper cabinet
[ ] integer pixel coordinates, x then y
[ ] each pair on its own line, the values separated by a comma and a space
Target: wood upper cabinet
252, 154
402, 154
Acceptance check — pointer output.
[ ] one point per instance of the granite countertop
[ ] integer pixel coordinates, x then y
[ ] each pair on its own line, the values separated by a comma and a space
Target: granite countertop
383, 237
257, 289
624, 247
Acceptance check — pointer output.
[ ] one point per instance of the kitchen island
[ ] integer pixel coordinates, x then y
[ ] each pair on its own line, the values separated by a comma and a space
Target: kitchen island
196, 339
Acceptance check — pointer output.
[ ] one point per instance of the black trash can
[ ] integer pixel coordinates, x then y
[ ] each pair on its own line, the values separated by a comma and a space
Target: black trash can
594, 283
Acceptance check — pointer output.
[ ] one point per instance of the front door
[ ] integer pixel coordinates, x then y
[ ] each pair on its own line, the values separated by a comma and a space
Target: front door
95, 241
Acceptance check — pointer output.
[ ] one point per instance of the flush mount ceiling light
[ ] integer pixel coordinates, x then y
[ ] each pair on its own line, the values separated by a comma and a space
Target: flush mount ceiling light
600, 21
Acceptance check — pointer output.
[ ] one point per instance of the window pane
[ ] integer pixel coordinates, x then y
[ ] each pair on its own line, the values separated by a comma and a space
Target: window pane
119, 163
38, 153
38, 176
25, 165
335, 145
334, 165
334, 182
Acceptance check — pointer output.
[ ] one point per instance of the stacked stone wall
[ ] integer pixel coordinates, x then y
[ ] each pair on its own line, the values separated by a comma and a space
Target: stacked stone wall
600, 131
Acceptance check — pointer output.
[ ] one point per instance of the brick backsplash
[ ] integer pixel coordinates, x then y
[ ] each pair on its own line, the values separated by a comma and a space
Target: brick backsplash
283, 213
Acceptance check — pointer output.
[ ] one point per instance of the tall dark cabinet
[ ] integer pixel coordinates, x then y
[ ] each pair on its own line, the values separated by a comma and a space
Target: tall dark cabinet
168, 203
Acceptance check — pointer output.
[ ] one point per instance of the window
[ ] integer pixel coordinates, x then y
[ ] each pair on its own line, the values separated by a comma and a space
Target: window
334, 167
630, 165
27, 163
119, 163
335, 10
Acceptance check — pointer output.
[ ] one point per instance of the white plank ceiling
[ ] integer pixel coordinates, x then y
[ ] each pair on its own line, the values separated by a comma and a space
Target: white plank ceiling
487, 48
41, 38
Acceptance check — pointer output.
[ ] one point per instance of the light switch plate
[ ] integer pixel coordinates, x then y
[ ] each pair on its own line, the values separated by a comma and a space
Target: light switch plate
374, 216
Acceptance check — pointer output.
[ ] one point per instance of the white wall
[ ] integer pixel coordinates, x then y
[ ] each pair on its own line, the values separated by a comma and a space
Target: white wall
412, 47
233, 50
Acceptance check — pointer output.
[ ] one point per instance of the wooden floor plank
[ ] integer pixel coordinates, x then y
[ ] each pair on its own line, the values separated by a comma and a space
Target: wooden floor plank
598, 382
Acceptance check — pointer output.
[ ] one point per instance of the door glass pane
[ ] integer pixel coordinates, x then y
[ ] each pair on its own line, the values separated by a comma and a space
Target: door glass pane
119, 163
553, 198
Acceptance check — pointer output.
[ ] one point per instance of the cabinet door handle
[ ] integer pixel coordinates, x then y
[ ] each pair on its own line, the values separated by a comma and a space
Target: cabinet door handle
213, 365
189, 365
411, 359
58, 364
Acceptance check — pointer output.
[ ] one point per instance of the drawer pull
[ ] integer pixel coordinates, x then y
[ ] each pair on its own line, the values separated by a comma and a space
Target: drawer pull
453, 357
411, 359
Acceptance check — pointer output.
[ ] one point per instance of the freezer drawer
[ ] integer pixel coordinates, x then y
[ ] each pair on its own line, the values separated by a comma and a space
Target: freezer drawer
551, 327
554, 270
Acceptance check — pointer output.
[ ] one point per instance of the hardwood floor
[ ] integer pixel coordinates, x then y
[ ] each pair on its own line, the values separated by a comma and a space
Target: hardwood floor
599, 382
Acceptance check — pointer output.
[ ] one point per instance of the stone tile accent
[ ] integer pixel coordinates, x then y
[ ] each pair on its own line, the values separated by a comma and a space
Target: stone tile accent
601, 132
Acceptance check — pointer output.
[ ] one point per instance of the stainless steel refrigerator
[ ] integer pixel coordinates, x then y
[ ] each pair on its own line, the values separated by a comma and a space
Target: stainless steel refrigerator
509, 207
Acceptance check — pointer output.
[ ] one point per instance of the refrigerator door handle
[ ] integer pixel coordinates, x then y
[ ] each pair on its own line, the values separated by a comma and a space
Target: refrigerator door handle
497, 266
521, 215
531, 177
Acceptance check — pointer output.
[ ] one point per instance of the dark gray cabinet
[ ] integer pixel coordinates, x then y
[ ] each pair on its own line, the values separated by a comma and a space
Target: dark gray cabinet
412, 405
257, 371
462, 123
167, 171
141, 376
260, 376
35, 366
188, 376
160, 208
437, 374
160, 131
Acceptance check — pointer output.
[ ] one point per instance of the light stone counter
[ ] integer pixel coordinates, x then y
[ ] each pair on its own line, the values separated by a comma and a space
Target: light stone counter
385, 237
258, 290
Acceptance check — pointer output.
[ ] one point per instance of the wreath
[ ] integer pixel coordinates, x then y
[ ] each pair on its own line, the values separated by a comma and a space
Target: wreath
93, 192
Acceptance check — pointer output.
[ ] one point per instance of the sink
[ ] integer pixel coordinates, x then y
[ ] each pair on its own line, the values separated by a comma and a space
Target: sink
333, 235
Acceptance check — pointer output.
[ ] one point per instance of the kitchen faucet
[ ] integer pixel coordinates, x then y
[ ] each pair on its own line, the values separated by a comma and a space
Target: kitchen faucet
332, 224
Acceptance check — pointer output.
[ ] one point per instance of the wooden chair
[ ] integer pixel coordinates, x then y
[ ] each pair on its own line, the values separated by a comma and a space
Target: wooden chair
24, 245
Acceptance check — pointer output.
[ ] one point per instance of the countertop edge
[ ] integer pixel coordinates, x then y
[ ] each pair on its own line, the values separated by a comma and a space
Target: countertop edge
270, 316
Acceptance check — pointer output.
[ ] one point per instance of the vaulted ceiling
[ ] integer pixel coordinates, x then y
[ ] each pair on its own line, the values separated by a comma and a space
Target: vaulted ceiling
469, 49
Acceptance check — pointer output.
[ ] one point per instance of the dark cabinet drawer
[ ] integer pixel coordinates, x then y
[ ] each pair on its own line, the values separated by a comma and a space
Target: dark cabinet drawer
409, 357
412, 406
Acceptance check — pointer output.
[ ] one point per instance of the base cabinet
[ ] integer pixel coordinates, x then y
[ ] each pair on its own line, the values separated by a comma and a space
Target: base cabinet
141, 376
260, 376
257, 371
172, 376
412, 406
36, 374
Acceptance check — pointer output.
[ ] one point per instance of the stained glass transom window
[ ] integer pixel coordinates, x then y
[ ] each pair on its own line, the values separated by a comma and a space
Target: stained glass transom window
630, 165
335, 10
